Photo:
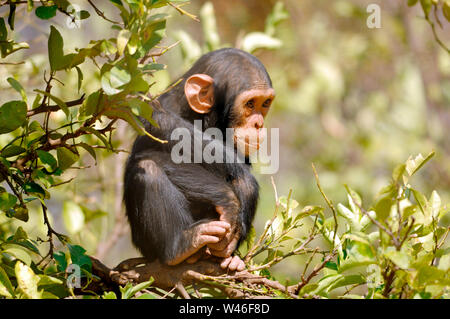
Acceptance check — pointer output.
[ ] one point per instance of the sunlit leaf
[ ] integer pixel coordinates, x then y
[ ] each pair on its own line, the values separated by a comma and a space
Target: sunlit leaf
12, 115
122, 40
399, 258
414, 164
6, 288
27, 281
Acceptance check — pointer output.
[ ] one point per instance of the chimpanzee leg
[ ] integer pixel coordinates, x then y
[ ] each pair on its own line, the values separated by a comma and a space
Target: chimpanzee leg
162, 225
200, 185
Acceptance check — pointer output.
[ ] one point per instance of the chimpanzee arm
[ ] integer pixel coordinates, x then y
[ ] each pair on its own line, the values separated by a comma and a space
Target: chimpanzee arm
162, 226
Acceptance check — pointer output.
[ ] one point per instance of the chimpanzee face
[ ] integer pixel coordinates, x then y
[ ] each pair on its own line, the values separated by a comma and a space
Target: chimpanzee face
248, 111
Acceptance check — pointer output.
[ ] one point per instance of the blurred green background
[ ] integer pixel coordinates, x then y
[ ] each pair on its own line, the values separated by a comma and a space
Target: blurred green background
352, 100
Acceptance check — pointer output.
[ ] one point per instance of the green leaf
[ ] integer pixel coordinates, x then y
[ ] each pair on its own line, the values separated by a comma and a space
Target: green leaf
3, 30
109, 295
57, 59
412, 2
7, 201
46, 12
27, 281
119, 77
435, 205
34, 188
331, 265
142, 109
114, 80
359, 253
351, 218
89, 149
80, 77
84, 14
98, 135
6, 288
73, 217
19, 212
399, 258
147, 296
347, 280
129, 292
49, 280
326, 283
79, 257
122, 40
153, 67
57, 100
421, 200
91, 104
16, 85
18, 252
426, 6
12, 15
125, 114
308, 288
12, 115
446, 9
398, 172
413, 165
12, 150
66, 157
61, 261
383, 208
47, 158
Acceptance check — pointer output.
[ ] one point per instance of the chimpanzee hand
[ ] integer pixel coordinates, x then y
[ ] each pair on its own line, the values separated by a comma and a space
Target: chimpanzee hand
201, 235
227, 245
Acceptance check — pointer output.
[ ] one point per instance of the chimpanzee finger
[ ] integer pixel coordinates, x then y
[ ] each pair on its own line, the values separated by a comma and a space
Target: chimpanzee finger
206, 239
219, 223
224, 264
236, 264
195, 257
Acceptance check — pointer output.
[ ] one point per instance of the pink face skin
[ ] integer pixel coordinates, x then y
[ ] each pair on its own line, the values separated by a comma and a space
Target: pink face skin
255, 104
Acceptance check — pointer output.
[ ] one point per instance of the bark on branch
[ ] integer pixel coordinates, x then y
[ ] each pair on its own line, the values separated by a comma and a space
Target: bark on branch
204, 272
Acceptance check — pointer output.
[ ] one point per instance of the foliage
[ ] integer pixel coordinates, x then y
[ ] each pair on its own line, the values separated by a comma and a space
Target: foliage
39, 149
394, 247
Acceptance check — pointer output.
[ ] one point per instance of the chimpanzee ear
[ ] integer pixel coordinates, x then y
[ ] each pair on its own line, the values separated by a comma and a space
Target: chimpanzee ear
199, 91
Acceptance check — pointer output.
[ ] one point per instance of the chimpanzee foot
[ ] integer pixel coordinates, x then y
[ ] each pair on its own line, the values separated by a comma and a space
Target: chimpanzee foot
233, 263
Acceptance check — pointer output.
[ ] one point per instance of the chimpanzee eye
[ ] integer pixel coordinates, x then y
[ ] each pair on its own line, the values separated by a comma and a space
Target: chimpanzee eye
250, 104
267, 103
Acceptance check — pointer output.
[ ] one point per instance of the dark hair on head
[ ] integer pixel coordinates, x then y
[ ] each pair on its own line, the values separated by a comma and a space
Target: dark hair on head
233, 71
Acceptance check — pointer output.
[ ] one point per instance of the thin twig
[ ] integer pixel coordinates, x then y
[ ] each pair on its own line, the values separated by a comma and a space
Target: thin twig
329, 203
100, 13
184, 12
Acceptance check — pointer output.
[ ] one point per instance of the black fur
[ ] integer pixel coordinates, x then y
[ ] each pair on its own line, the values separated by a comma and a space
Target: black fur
165, 200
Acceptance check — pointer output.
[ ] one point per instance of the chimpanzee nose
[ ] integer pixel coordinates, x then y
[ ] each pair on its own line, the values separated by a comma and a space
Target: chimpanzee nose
259, 122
